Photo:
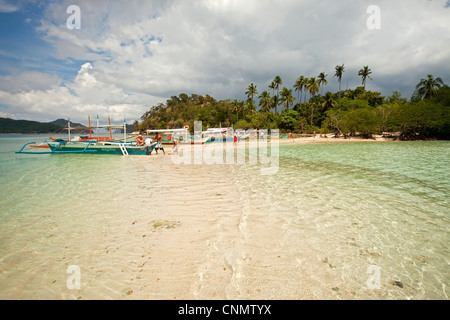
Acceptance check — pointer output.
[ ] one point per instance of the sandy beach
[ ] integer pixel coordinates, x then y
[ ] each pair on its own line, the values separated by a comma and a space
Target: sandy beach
329, 138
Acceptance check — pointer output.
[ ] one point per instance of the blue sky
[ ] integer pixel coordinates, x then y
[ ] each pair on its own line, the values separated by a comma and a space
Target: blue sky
130, 55
23, 48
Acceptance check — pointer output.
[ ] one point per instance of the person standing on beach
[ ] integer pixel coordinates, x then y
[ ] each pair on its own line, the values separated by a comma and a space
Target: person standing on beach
159, 145
148, 146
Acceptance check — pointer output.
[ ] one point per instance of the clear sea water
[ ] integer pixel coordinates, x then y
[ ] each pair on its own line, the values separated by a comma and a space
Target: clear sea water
338, 221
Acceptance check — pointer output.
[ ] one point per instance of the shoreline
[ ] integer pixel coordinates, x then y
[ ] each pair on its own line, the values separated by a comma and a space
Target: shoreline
326, 139
330, 139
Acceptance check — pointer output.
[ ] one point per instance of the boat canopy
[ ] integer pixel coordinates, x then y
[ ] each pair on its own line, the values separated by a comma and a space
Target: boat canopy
166, 130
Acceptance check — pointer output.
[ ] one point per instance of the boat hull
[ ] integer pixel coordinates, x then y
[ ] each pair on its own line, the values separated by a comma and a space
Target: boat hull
97, 148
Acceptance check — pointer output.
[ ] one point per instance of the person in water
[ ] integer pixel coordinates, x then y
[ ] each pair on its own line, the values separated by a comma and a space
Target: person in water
175, 146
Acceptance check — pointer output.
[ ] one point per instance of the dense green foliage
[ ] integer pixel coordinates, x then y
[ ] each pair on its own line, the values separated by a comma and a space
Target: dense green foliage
350, 112
359, 112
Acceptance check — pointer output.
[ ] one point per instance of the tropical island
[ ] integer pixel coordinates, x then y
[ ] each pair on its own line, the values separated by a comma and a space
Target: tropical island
8, 125
348, 113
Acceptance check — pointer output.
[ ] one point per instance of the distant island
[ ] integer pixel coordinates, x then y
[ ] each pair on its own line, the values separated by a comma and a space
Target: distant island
8, 125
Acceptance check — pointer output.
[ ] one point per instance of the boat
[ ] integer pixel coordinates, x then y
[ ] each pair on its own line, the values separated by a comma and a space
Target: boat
181, 135
97, 147
89, 145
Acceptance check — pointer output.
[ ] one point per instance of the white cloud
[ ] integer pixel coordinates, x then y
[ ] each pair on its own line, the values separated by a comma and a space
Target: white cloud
26, 81
6, 7
78, 99
142, 50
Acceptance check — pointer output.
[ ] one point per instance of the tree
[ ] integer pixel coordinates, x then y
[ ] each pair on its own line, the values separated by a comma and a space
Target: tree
272, 86
363, 121
328, 102
275, 102
288, 119
251, 91
313, 87
305, 85
299, 85
338, 74
322, 80
250, 107
427, 88
365, 73
237, 106
277, 83
264, 101
334, 119
286, 97
396, 97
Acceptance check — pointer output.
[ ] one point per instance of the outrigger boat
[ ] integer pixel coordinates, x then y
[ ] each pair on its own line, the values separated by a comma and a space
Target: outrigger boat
181, 135
98, 145
127, 145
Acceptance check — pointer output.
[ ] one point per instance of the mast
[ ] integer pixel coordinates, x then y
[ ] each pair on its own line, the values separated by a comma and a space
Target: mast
110, 129
98, 135
90, 129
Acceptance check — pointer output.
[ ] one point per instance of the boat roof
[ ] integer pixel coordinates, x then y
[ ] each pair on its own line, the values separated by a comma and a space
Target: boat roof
95, 127
166, 130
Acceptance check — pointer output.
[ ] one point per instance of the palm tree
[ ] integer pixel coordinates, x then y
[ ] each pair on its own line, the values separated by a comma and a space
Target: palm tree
426, 88
298, 86
338, 74
250, 107
237, 106
328, 102
277, 82
251, 91
275, 102
313, 87
365, 73
322, 80
264, 101
272, 86
286, 97
305, 85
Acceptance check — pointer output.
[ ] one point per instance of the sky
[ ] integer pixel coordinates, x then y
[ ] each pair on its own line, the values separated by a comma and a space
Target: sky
120, 58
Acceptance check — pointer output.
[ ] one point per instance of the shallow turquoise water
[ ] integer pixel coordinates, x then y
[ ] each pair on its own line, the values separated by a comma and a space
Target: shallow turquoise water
332, 210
